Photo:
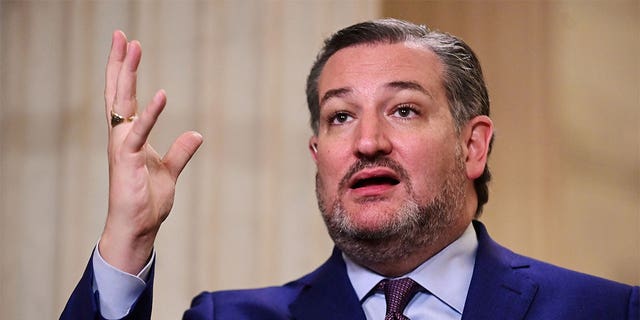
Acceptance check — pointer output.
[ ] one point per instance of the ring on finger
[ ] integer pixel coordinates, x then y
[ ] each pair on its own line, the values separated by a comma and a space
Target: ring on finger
117, 119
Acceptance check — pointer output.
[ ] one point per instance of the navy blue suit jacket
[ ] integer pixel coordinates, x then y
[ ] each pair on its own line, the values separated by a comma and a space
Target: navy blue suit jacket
504, 285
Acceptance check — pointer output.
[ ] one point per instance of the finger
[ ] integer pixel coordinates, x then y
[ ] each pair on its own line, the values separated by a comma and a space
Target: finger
142, 126
125, 103
114, 63
181, 152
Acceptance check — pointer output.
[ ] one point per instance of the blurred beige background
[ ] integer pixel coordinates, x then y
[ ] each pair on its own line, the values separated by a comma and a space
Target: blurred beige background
564, 78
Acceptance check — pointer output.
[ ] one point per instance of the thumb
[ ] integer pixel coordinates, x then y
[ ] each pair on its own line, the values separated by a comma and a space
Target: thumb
181, 152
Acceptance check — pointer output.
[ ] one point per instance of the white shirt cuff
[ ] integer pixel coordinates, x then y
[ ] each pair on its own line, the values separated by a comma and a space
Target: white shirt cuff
118, 290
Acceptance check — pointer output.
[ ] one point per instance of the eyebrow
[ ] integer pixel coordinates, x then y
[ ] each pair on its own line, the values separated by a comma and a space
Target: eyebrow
334, 93
408, 85
397, 85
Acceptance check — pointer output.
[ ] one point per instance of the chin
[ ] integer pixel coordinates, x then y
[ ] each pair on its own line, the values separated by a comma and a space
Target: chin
374, 235
371, 216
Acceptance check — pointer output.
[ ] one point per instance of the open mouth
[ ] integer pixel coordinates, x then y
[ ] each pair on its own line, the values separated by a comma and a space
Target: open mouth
378, 180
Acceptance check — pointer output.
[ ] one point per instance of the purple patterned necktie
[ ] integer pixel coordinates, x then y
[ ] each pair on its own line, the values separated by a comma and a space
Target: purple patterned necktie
398, 293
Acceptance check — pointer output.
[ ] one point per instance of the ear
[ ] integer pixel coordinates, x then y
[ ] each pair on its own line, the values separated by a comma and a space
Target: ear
477, 136
313, 147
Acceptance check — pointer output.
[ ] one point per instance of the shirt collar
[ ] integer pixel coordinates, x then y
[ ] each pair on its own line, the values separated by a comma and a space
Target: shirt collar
446, 275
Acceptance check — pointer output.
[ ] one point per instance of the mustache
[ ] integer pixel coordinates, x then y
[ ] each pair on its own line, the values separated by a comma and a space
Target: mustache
376, 162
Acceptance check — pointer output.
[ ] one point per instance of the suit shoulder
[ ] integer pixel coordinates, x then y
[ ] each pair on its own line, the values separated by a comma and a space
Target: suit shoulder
550, 274
579, 290
261, 303
493, 258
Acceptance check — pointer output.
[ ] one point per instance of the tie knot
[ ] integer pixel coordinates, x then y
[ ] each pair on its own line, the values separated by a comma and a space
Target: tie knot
397, 294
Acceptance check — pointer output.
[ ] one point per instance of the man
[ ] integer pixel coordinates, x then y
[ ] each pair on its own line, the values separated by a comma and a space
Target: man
401, 137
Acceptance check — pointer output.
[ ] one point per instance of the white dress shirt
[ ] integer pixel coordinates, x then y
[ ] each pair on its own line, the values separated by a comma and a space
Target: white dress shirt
446, 276
119, 290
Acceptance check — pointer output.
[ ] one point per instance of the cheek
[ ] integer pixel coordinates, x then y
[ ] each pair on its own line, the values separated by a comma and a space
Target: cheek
428, 164
333, 152
331, 167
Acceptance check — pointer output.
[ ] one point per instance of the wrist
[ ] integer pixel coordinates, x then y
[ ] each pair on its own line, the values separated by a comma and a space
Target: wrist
125, 252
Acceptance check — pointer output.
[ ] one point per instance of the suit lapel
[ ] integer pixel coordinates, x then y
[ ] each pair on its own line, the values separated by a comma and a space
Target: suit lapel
328, 294
499, 286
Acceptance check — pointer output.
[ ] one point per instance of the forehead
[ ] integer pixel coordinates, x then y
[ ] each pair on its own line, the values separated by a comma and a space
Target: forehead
371, 66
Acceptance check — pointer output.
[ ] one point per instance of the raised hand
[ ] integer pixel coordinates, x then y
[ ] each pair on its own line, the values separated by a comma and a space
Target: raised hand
141, 182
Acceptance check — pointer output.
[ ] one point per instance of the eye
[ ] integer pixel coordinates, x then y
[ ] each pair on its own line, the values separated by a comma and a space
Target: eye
405, 111
340, 117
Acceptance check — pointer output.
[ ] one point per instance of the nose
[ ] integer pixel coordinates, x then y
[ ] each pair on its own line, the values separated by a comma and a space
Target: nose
371, 138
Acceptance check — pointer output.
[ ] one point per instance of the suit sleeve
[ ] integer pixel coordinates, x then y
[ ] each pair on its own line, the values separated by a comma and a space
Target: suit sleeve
634, 303
201, 308
83, 303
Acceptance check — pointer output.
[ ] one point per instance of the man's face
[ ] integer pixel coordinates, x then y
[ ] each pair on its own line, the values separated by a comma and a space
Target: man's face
387, 150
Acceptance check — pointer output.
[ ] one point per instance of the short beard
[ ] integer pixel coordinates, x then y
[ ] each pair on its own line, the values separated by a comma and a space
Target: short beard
413, 227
